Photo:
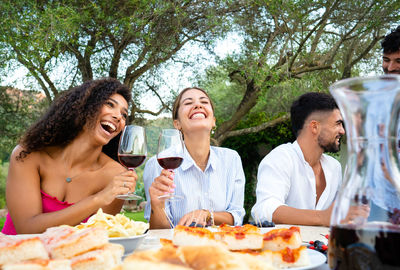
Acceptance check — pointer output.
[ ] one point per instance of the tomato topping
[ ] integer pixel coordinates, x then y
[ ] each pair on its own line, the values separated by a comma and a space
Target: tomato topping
288, 256
240, 235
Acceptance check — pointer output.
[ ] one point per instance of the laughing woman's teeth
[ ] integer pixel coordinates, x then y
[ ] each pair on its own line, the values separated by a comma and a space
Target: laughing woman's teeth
108, 126
198, 115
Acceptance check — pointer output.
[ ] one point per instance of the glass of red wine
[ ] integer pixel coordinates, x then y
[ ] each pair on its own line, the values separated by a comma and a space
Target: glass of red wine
132, 152
170, 155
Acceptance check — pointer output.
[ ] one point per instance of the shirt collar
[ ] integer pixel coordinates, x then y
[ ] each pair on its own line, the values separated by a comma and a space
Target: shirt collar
297, 148
301, 154
188, 161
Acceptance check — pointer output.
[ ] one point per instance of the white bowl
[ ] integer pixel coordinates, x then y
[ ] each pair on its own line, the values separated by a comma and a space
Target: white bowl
130, 243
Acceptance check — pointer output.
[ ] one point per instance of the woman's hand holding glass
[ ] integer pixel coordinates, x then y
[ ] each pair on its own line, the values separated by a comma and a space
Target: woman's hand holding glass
132, 152
170, 156
121, 184
162, 185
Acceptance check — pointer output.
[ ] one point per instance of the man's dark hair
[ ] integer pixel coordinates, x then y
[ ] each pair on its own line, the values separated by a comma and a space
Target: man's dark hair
391, 42
307, 104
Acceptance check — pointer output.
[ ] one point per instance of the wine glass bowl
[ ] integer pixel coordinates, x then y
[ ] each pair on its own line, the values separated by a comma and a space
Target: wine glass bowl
130, 161
132, 151
170, 163
170, 154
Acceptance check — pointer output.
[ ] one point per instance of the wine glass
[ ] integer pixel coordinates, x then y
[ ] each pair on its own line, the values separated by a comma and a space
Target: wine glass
170, 155
132, 152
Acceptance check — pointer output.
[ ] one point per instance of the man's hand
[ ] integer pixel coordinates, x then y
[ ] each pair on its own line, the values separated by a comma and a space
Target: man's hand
357, 214
325, 215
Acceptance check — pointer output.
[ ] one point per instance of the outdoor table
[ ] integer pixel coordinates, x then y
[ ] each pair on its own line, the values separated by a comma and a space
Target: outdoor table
308, 233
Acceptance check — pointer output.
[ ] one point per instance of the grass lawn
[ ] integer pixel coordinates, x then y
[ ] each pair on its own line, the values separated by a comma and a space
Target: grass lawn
138, 216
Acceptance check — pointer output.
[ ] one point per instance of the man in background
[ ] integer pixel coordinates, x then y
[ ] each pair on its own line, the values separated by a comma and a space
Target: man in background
297, 182
391, 52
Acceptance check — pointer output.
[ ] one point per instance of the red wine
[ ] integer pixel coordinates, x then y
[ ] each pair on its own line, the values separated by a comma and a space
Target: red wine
375, 246
131, 161
170, 162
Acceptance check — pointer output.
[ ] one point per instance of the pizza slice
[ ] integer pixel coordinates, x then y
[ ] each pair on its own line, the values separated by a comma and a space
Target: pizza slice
13, 250
66, 242
282, 238
245, 228
240, 237
166, 254
217, 257
104, 257
193, 236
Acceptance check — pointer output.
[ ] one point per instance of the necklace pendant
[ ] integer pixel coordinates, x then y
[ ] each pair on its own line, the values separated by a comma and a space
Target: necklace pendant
68, 179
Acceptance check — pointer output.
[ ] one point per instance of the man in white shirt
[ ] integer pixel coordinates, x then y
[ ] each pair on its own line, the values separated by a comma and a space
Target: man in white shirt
391, 52
297, 182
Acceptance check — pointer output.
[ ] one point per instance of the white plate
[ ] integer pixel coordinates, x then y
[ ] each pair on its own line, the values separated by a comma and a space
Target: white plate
130, 243
316, 259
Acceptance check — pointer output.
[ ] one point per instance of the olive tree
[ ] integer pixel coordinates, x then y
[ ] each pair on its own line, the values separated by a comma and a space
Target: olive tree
62, 43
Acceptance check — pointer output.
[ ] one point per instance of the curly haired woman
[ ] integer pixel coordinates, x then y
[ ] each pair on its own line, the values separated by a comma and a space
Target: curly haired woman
62, 171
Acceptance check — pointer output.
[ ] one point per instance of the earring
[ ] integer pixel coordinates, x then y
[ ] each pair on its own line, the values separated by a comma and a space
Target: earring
213, 130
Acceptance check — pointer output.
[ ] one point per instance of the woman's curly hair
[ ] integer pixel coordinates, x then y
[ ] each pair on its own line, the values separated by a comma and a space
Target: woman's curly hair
69, 113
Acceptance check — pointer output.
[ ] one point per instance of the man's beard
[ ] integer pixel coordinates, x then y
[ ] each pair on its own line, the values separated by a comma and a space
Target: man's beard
331, 147
386, 71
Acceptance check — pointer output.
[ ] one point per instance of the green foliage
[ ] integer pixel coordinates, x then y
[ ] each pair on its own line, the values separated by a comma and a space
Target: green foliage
227, 93
136, 216
253, 147
224, 93
3, 178
291, 47
153, 129
279, 97
18, 110
2, 221
139, 190
125, 39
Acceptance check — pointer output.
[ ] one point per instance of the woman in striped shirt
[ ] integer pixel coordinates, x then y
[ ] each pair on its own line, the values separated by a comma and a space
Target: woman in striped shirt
210, 179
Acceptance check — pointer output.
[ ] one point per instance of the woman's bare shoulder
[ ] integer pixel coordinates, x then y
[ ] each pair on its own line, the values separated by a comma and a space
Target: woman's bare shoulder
110, 165
20, 157
24, 166
17, 150
19, 154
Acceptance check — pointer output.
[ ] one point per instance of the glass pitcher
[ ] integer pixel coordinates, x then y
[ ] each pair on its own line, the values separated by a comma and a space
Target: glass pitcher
365, 230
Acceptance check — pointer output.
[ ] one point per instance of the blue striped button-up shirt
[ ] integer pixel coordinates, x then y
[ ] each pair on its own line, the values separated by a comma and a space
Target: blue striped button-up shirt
219, 188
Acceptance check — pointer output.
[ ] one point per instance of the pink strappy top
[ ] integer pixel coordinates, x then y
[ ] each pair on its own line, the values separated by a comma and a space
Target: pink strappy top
49, 204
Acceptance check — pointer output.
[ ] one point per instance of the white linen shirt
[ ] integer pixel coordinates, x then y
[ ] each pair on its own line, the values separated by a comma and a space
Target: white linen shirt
285, 178
219, 188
